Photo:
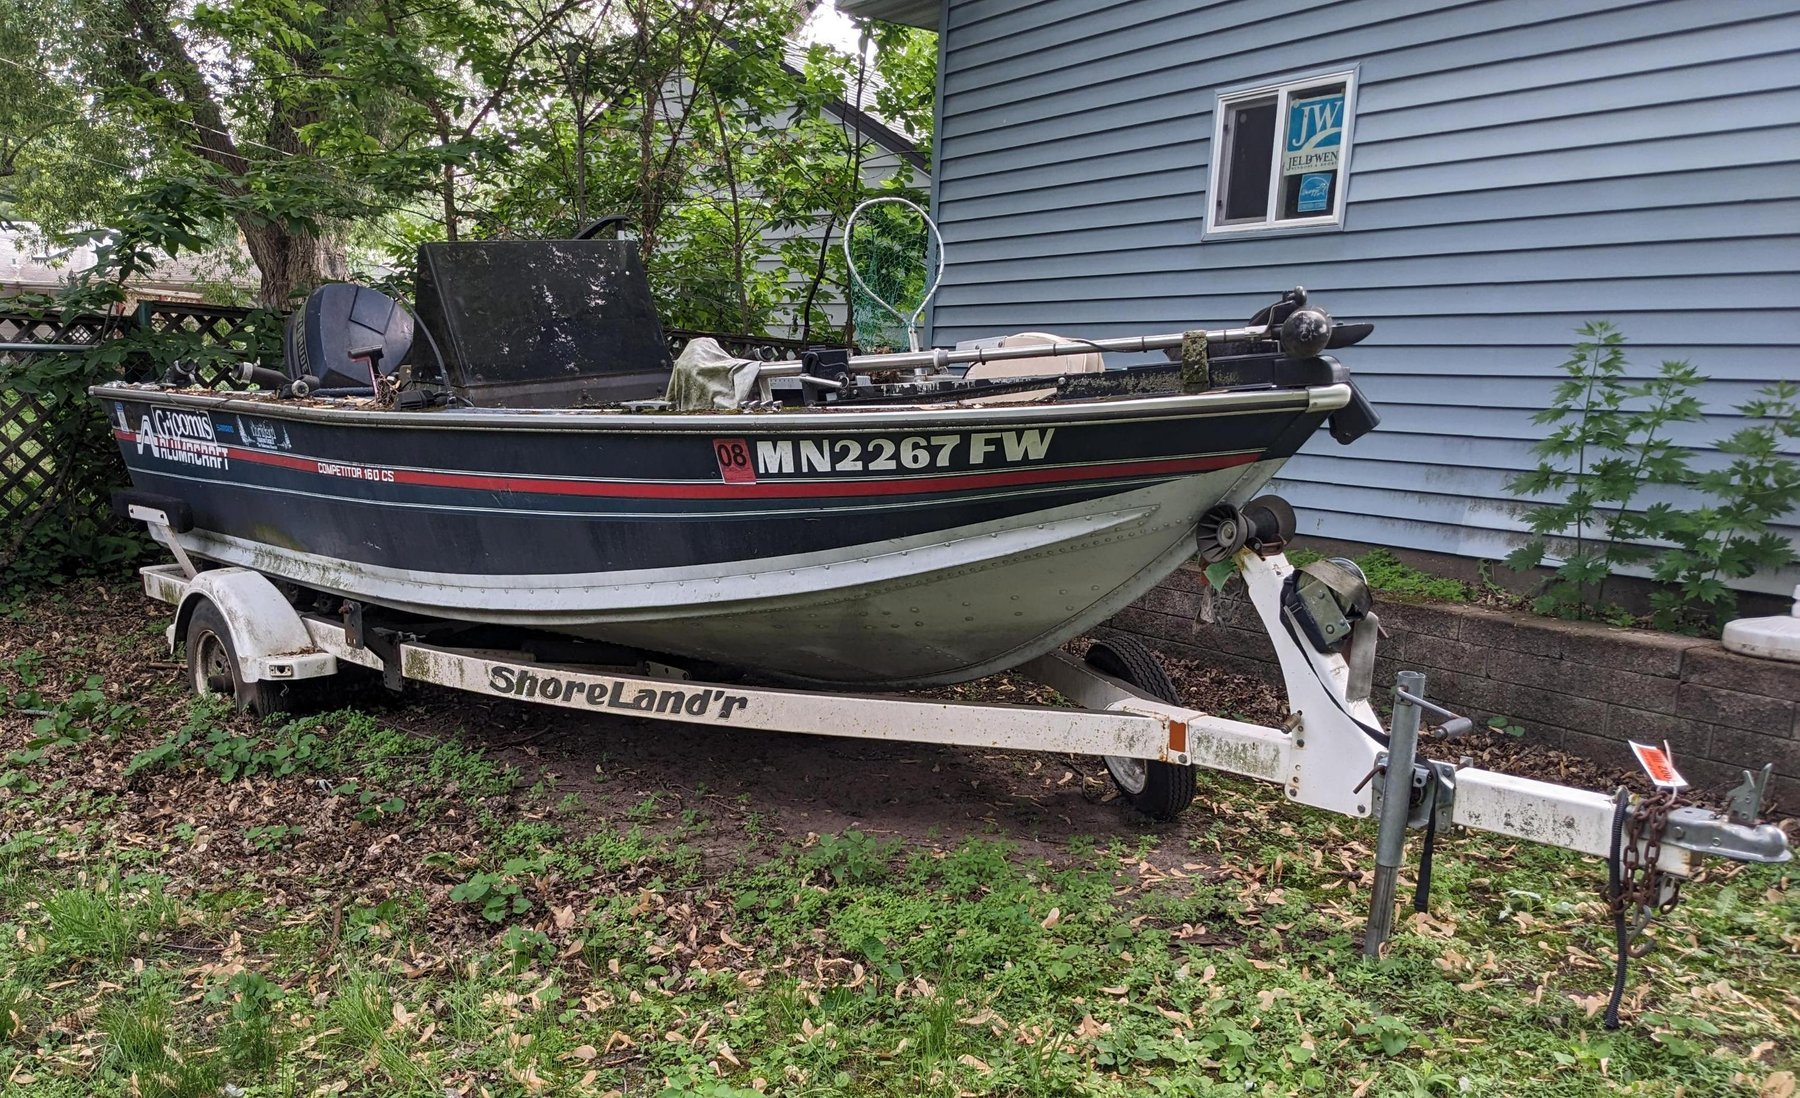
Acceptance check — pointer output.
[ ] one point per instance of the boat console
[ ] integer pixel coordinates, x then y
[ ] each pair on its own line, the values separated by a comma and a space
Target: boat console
542, 323
501, 323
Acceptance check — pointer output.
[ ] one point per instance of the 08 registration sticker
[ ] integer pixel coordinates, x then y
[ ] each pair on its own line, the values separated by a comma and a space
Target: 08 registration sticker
735, 466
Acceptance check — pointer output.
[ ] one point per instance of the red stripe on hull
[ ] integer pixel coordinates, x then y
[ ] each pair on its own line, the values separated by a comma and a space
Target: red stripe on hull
758, 490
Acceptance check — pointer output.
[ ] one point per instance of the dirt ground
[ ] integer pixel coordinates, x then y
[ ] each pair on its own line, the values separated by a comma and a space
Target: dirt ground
917, 793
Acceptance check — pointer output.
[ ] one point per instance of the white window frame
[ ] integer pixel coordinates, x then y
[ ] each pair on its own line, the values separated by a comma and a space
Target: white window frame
1283, 89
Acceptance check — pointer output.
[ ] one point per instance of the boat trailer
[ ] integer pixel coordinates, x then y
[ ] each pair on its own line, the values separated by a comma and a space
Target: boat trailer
246, 637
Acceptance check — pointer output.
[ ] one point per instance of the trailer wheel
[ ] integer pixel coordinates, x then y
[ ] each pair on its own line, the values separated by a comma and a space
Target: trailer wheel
1159, 790
213, 664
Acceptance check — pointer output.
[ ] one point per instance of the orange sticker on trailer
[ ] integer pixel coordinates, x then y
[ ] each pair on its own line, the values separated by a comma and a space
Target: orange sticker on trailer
1657, 763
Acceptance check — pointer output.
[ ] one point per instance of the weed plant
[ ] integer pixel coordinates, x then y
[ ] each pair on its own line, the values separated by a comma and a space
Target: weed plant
1614, 446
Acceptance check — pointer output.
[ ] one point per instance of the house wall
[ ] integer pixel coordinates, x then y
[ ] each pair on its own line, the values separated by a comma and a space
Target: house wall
1518, 168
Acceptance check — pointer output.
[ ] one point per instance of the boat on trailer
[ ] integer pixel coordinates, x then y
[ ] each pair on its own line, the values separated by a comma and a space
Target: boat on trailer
525, 453
535, 466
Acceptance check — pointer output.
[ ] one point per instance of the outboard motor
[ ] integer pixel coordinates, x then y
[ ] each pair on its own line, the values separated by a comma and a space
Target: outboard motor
345, 337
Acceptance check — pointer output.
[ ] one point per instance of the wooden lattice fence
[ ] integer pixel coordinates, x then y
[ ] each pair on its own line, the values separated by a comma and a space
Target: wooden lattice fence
57, 464
28, 465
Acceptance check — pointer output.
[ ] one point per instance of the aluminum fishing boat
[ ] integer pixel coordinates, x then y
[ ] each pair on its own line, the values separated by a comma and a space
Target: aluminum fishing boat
525, 453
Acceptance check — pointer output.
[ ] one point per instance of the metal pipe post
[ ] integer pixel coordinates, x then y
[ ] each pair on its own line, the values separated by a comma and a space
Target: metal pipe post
1396, 804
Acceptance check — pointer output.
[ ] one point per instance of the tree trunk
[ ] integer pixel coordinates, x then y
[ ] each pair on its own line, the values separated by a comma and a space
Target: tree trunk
449, 187
738, 243
291, 261
290, 257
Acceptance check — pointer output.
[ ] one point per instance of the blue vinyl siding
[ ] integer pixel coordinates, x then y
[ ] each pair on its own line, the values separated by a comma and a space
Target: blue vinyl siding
1519, 167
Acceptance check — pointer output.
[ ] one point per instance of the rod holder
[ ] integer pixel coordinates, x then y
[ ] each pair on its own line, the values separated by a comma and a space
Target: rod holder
1396, 801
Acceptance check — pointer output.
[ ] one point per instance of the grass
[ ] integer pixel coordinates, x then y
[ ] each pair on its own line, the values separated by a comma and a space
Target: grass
1387, 573
160, 937
104, 919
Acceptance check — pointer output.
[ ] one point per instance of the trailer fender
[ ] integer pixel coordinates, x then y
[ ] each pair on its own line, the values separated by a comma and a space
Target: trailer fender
270, 639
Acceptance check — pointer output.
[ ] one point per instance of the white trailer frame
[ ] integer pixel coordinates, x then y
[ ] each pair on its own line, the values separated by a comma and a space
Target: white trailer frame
1325, 756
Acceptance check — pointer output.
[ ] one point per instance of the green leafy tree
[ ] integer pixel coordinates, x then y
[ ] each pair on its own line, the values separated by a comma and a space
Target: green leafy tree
61, 164
306, 120
906, 61
726, 146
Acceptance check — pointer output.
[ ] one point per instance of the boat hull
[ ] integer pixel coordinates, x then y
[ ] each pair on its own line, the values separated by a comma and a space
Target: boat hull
904, 546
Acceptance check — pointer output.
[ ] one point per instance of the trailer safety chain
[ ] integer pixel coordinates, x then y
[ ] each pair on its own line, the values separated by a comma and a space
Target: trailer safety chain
1636, 889
1644, 889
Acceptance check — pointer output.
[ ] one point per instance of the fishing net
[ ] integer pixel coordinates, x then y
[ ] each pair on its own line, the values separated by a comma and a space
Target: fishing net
894, 255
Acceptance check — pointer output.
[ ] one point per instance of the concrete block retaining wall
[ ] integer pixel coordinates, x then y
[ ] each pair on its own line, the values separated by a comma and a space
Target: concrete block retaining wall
1578, 686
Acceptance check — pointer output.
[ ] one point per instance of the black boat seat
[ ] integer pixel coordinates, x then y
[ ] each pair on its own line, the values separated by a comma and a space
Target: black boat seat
542, 323
344, 335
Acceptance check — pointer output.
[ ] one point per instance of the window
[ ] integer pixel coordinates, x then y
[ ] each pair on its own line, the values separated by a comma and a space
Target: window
1280, 154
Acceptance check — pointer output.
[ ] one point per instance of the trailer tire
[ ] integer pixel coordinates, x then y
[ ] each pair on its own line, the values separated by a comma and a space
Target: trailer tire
213, 664
1160, 790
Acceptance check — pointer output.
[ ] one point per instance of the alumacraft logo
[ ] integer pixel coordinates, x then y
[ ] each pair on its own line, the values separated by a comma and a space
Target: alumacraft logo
185, 437
520, 682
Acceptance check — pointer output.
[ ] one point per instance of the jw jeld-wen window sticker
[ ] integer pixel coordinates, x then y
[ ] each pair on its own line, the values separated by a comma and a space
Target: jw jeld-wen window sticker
1281, 154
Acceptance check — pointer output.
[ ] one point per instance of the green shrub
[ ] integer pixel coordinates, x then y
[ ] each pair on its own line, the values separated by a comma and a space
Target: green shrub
850, 858
1612, 444
499, 894
1729, 537
208, 737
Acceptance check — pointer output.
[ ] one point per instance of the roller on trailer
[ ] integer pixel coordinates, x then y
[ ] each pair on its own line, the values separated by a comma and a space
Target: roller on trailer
248, 638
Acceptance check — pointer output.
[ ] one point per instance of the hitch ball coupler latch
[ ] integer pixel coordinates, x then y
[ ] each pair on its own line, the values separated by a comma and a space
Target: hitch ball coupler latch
1706, 832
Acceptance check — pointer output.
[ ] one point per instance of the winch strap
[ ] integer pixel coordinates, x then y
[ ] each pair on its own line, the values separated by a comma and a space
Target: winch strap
1293, 632
1351, 589
1422, 891
1364, 635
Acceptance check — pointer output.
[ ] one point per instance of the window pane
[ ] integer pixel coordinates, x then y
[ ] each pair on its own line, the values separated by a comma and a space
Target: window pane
1312, 141
1250, 137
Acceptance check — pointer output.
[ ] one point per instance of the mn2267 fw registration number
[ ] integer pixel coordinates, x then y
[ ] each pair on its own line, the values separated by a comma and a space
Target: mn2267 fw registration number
742, 461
